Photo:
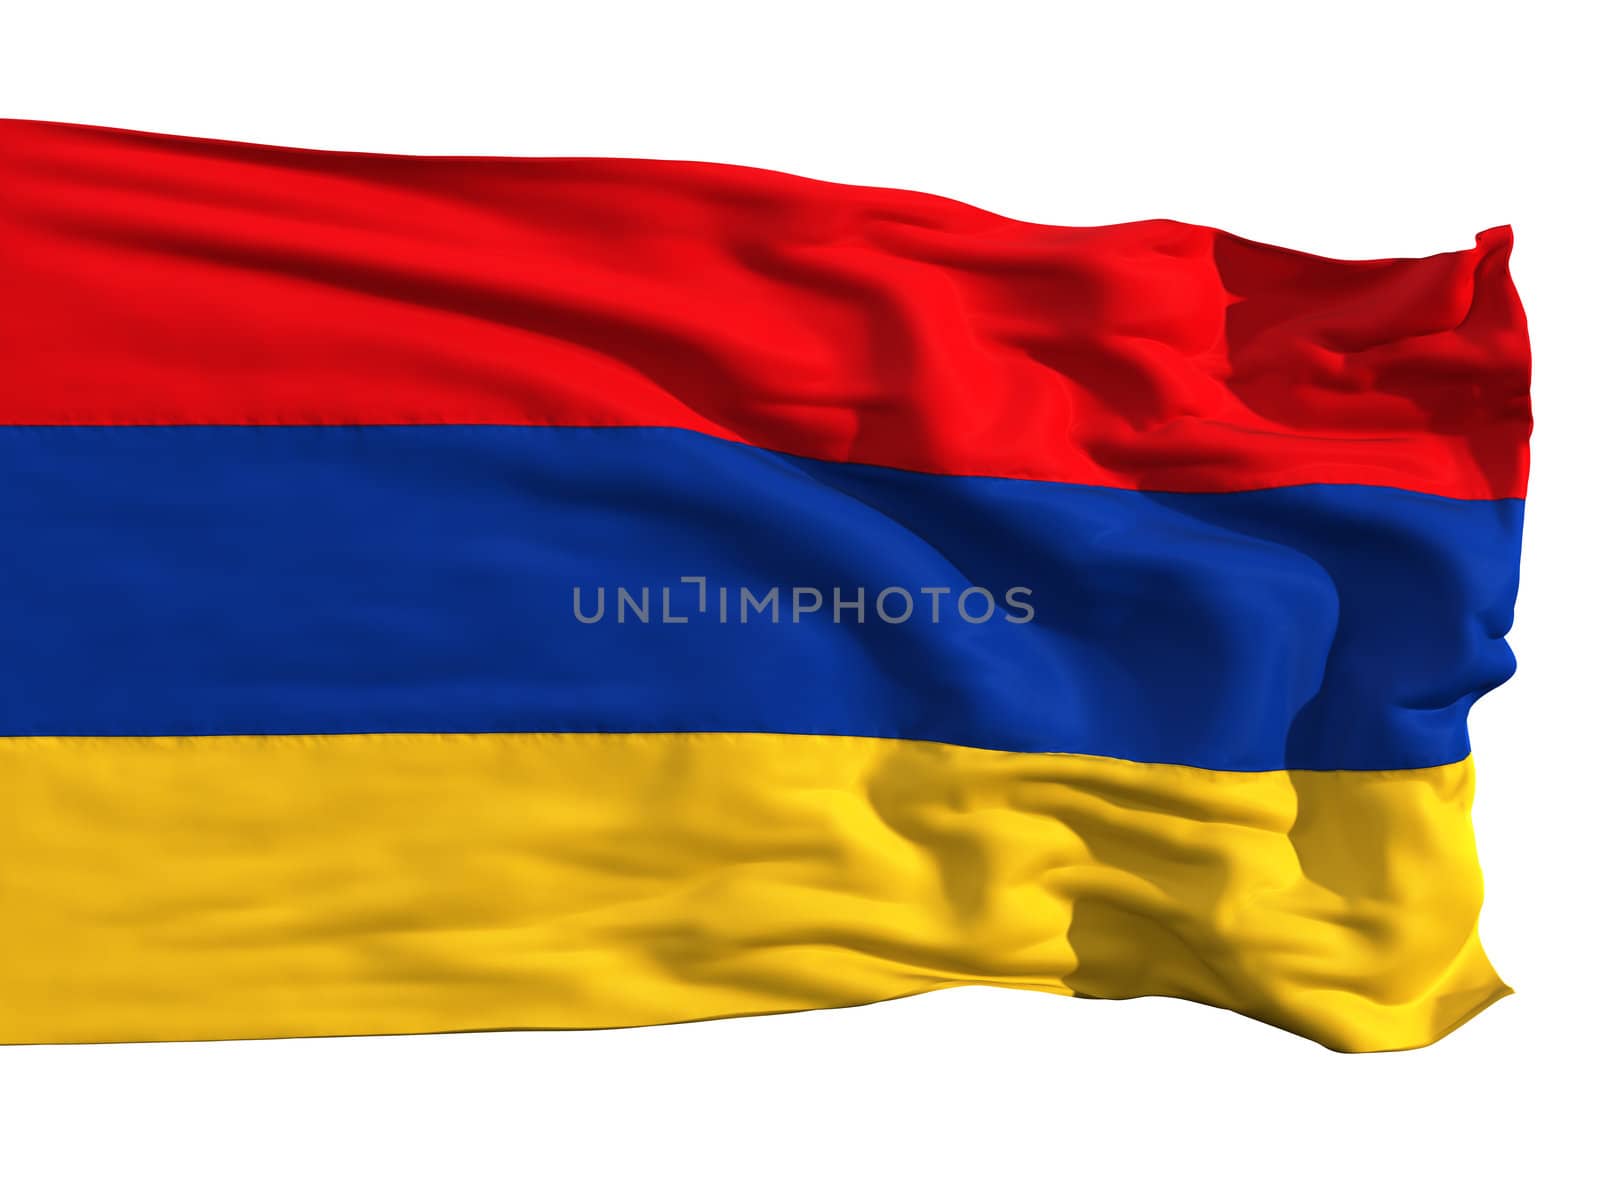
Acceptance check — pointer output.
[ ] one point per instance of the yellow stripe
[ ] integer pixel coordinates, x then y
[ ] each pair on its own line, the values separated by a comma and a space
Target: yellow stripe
169, 888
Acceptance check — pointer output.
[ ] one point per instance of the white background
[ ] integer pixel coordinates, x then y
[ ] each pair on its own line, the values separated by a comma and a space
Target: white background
1358, 130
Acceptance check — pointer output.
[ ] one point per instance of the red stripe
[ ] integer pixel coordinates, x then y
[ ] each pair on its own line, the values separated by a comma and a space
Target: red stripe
159, 280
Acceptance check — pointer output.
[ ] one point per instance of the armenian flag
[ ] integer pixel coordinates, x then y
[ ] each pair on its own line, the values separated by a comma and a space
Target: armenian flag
477, 593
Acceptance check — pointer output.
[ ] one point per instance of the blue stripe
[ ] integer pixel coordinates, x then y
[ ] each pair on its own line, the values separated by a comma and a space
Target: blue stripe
207, 580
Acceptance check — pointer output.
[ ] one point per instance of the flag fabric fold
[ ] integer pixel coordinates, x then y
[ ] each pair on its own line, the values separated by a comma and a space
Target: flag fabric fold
459, 594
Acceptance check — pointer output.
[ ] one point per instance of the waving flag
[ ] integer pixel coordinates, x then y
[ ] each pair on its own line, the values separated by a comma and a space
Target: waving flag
454, 594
